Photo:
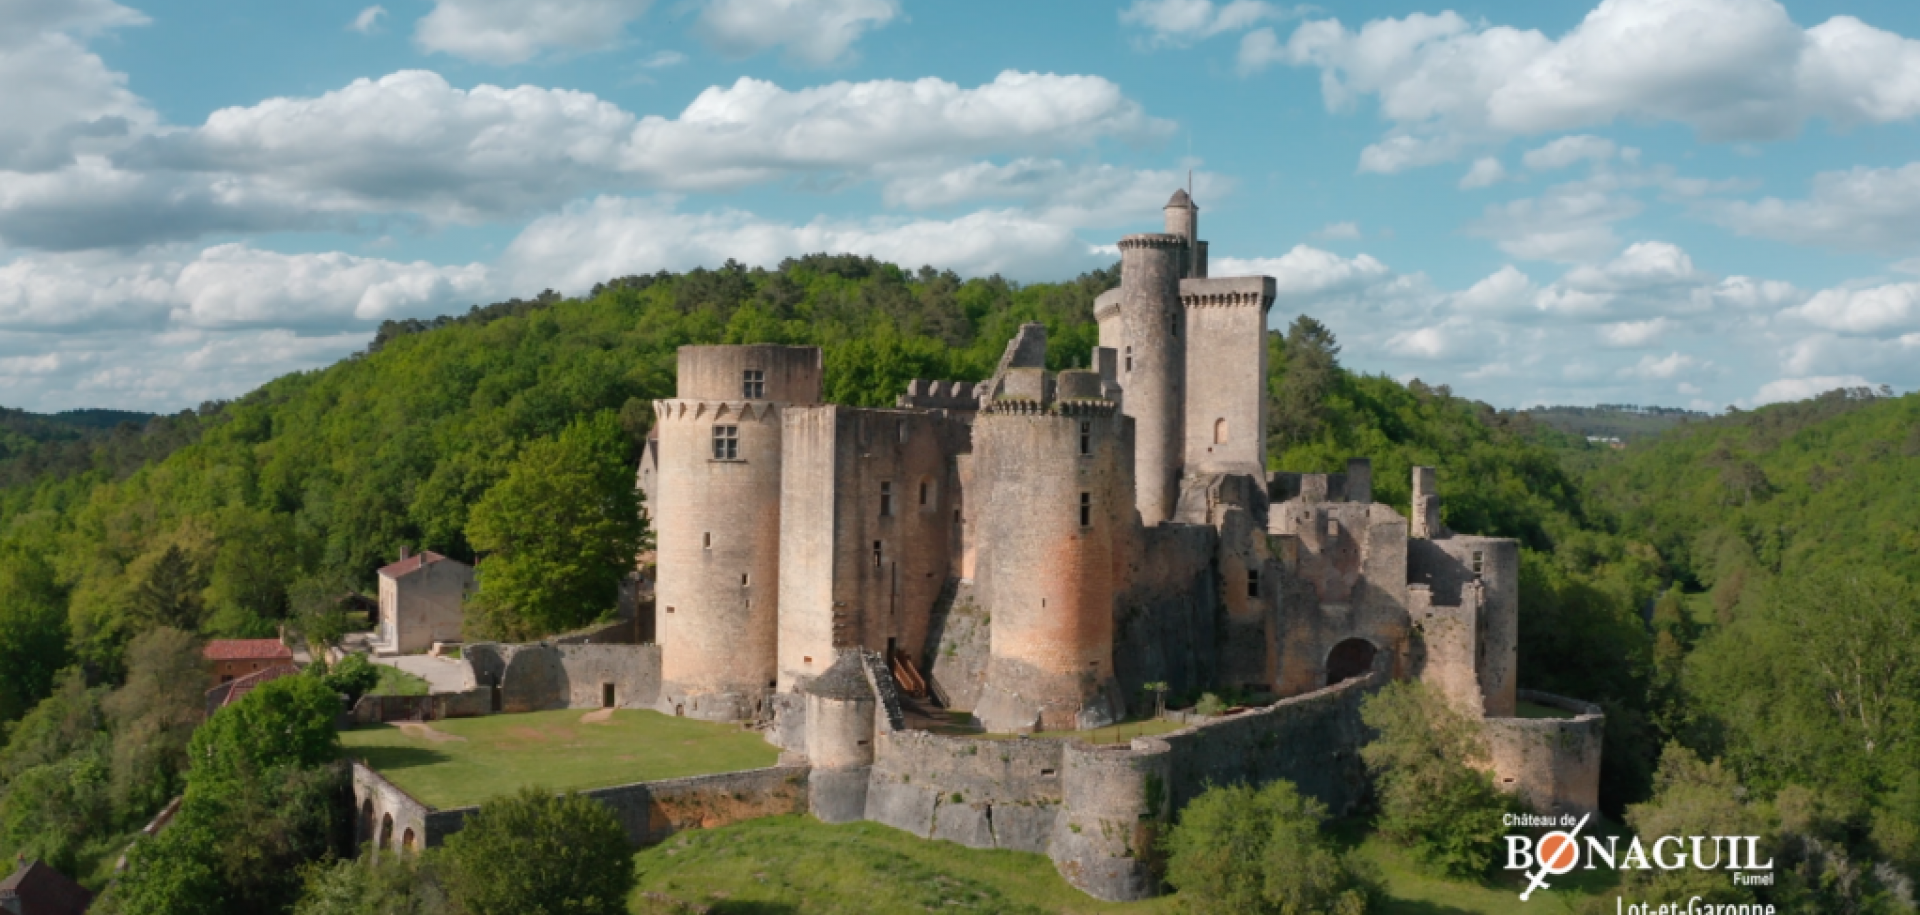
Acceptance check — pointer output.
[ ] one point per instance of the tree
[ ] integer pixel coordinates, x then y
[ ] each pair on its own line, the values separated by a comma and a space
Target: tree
153, 716
560, 532
532, 853
284, 722
373, 885
1434, 797
1237, 849
352, 676
33, 630
1307, 369
265, 795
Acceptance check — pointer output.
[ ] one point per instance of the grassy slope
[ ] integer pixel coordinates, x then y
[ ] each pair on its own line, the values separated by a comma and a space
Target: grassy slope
797, 866
498, 754
397, 682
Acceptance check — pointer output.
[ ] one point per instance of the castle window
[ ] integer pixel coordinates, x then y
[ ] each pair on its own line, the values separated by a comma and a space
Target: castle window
956, 516
886, 499
753, 384
1086, 438
706, 540
1220, 431
902, 429
1173, 325
743, 579
876, 554
1253, 582
1333, 528
726, 443
1129, 359
1086, 509
923, 492
669, 609
1477, 555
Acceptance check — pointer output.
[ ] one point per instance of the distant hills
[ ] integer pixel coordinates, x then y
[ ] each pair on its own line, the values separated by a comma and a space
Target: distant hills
1626, 422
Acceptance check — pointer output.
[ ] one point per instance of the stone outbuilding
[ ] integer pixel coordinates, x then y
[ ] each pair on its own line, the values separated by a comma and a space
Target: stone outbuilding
422, 600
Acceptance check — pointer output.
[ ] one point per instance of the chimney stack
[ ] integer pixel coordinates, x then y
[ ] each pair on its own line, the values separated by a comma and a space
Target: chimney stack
405, 551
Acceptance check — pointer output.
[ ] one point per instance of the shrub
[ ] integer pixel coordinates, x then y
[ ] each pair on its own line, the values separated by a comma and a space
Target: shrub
1241, 850
532, 853
1209, 705
1434, 799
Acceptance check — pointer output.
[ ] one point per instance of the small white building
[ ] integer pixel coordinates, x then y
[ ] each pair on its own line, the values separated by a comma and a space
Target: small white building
421, 599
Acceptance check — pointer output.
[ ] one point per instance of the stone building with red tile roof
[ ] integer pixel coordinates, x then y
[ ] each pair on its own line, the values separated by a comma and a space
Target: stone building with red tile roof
422, 597
230, 659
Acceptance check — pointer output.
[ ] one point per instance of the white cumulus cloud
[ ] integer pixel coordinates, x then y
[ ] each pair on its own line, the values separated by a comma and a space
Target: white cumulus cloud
513, 31
1486, 171
367, 20
1730, 69
814, 32
1183, 22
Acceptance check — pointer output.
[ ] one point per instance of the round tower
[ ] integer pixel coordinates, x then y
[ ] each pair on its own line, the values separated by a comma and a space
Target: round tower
1150, 267
717, 524
1055, 507
840, 719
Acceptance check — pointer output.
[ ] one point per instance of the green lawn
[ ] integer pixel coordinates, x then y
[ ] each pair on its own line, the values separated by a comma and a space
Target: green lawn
499, 754
795, 865
1525, 709
1411, 891
397, 682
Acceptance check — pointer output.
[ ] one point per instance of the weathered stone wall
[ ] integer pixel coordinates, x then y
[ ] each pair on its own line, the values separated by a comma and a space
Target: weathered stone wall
1343, 573
1446, 639
959, 638
1553, 764
1312, 740
868, 531
977, 792
1167, 623
1459, 571
540, 675
1116, 801
650, 812
791, 374
384, 814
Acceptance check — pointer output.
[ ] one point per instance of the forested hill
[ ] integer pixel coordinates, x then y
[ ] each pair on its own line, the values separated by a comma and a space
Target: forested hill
1789, 487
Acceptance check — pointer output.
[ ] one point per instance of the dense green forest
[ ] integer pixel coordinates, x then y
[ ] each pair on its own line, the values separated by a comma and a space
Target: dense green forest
1678, 583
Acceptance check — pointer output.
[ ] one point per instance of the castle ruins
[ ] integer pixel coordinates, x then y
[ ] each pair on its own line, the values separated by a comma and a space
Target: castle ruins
1036, 549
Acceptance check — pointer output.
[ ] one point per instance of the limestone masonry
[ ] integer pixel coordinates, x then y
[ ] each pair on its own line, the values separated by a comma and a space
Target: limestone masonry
1036, 549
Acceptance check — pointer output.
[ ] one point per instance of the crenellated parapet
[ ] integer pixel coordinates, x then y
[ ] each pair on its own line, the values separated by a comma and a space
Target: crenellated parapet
1144, 240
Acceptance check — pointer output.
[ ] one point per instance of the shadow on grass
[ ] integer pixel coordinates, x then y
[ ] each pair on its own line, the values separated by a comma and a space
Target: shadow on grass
1419, 907
387, 759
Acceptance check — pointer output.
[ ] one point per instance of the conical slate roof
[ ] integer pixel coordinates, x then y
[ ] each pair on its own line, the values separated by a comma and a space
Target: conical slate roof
845, 680
1180, 199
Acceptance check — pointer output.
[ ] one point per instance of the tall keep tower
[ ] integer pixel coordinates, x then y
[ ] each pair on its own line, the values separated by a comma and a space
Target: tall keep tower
1154, 366
1054, 479
719, 524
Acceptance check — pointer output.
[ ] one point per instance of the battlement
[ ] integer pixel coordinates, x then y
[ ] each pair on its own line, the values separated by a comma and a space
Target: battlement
1152, 240
712, 411
1228, 292
939, 395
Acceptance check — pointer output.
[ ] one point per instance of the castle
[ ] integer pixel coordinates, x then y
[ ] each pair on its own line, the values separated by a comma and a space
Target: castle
1109, 527
1037, 549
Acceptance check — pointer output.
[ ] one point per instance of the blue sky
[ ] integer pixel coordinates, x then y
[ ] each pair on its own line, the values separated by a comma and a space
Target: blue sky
1679, 202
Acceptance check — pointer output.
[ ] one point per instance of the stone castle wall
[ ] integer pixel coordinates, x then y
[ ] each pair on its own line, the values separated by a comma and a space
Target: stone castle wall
649, 812
1553, 764
540, 676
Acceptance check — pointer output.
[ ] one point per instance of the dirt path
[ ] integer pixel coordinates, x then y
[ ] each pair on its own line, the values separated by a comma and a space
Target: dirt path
596, 716
426, 732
